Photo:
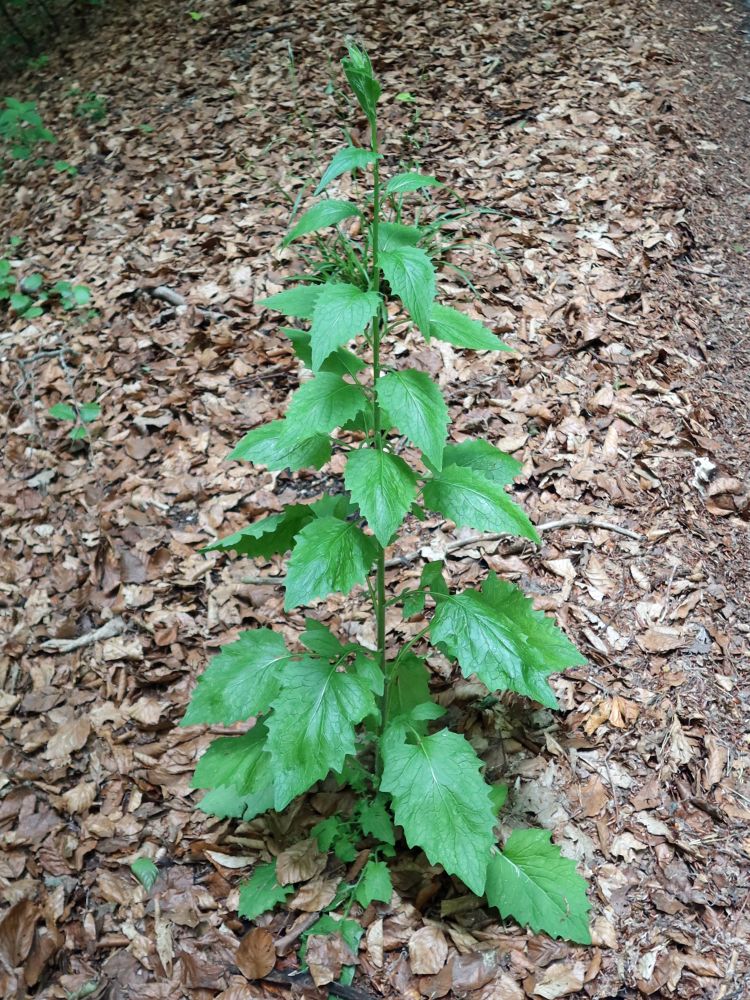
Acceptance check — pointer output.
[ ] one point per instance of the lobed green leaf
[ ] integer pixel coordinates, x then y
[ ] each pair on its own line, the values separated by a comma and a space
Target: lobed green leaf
412, 277
416, 406
462, 331
533, 883
311, 729
405, 183
484, 458
498, 635
323, 403
262, 892
341, 313
441, 800
278, 445
330, 556
326, 213
268, 536
383, 487
240, 682
348, 158
299, 301
472, 501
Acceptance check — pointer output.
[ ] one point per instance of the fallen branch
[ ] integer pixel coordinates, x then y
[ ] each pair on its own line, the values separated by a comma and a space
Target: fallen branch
166, 294
115, 626
465, 543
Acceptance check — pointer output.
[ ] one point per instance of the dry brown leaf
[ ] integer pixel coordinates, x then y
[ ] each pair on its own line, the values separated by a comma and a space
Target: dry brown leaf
559, 980
71, 736
315, 895
326, 955
428, 951
256, 953
300, 862
17, 932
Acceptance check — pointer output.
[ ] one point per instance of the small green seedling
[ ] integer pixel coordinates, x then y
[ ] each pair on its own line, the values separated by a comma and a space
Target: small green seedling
196, 15
80, 414
146, 872
331, 708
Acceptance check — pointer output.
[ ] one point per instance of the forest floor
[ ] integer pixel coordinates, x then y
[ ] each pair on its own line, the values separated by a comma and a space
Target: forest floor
611, 139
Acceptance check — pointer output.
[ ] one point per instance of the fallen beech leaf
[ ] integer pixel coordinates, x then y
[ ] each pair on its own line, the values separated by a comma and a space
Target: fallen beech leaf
316, 895
559, 980
661, 640
256, 954
17, 933
428, 951
71, 736
470, 972
326, 955
300, 862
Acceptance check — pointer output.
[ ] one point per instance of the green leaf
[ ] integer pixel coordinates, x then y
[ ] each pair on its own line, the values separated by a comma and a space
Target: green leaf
441, 800
145, 871
412, 277
279, 446
330, 556
81, 295
89, 412
498, 635
299, 301
463, 331
410, 687
20, 302
340, 362
361, 78
262, 892
485, 459
33, 283
375, 820
394, 234
325, 213
225, 803
266, 537
375, 883
323, 403
403, 183
320, 640
348, 158
62, 411
341, 313
311, 729
240, 682
417, 408
533, 883
472, 501
499, 796
383, 487
240, 763
77, 433
333, 832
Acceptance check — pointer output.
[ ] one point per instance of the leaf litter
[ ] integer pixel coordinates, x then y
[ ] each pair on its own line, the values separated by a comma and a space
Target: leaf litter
586, 129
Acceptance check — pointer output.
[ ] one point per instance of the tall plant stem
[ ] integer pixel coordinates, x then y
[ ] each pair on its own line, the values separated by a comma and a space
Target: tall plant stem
377, 333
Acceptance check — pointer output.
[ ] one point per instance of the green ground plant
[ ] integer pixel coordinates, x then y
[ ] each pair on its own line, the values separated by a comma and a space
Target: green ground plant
333, 709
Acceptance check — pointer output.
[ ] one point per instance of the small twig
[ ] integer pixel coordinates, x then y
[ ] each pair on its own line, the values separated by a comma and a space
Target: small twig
464, 543
284, 944
623, 319
304, 979
166, 294
116, 626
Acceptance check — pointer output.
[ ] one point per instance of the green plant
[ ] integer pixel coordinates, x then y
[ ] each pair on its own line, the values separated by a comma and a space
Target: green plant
336, 707
21, 129
79, 414
31, 298
93, 106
